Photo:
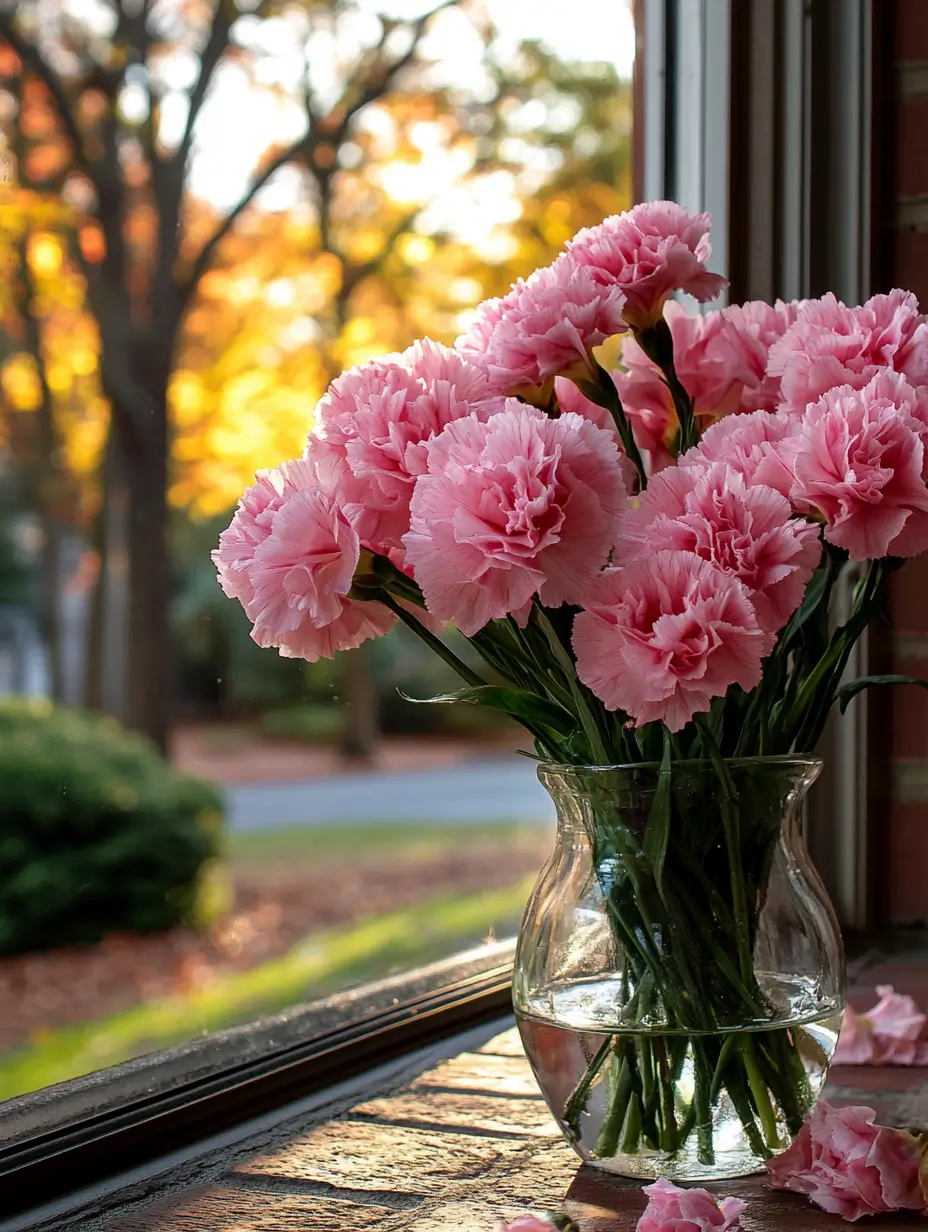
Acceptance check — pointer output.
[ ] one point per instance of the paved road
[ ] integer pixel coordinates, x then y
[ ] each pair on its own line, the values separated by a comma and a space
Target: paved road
478, 791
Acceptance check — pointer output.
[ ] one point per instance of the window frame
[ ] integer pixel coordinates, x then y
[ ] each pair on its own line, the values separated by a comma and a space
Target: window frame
50, 1150
729, 145
761, 111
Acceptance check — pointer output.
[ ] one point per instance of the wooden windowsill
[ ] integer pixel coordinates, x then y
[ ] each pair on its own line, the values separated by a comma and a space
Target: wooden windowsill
448, 1139
465, 1143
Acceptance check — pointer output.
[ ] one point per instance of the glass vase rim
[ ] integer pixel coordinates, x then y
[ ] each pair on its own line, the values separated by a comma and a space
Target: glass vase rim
797, 760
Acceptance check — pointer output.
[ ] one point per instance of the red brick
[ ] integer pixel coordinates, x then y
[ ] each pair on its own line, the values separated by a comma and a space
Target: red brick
908, 589
909, 28
909, 709
911, 167
904, 972
909, 265
908, 860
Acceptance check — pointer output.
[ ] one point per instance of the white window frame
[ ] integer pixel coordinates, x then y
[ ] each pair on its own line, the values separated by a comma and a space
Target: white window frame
819, 227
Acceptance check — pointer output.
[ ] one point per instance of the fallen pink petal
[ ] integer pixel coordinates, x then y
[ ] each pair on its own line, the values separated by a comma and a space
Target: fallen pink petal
537, 1223
893, 1032
855, 1043
672, 1209
849, 1166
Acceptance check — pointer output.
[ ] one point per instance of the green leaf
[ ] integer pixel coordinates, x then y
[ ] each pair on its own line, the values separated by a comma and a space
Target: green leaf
527, 707
849, 691
657, 833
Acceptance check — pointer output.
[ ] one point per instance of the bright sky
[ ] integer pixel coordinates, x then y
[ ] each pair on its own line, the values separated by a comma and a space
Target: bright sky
234, 129
575, 29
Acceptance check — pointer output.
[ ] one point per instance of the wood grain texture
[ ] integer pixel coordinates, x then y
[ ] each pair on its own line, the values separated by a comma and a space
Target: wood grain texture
526, 1118
473, 1071
355, 1155
509, 1044
603, 1204
226, 1209
468, 1143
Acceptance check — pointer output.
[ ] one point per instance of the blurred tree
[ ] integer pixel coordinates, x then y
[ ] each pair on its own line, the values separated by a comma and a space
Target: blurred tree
392, 194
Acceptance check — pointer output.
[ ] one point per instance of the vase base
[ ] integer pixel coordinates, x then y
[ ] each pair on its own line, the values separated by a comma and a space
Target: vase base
676, 1168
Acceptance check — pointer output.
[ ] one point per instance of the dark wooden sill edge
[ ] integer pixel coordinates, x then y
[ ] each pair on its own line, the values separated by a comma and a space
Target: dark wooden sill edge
49, 1166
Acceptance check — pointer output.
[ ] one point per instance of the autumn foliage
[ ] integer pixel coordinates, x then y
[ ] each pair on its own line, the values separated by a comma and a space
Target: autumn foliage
173, 300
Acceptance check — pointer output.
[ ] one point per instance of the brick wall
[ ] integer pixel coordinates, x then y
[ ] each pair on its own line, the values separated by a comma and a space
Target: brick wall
900, 715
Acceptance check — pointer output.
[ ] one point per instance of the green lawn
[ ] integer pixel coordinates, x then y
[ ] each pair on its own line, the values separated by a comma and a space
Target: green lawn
373, 840
321, 964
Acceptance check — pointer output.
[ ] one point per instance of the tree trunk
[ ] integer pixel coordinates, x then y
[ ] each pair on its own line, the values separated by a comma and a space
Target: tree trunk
359, 701
50, 607
149, 676
113, 632
93, 647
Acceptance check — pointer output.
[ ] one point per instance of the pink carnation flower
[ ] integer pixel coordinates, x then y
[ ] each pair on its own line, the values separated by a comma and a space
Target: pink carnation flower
653, 249
761, 325
512, 507
893, 1032
830, 344
910, 401
859, 461
537, 1223
380, 417
570, 401
545, 327
671, 1209
747, 531
250, 526
759, 446
850, 1167
662, 636
713, 361
898, 1028
855, 1040
289, 557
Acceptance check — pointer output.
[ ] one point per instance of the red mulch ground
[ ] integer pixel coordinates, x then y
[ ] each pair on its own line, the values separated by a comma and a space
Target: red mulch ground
273, 910
236, 753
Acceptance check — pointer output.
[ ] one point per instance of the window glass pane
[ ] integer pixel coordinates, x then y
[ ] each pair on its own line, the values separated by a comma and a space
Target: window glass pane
204, 217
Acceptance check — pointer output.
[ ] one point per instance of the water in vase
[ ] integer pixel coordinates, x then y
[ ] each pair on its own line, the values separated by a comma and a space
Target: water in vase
686, 1105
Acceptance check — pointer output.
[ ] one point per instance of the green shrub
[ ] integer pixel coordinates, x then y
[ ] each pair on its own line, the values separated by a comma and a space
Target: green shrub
97, 832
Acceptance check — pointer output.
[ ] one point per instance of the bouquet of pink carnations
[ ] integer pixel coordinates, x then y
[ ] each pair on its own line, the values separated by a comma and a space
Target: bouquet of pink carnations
644, 559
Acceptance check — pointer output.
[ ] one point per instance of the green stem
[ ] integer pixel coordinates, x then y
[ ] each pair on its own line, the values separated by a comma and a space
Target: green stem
576, 1104
657, 343
649, 1096
738, 1094
433, 642
603, 392
761, 1095
731, 823
587, 719
632, 1136
804, 713
621, 1088
705, 1150
670, 1137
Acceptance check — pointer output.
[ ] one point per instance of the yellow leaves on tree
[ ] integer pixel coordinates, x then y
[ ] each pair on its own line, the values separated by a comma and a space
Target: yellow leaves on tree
52, 346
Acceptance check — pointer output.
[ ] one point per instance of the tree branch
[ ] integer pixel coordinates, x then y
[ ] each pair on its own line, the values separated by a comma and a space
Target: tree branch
357, 273
169, 176
315, 134
377, 88
216, 46
188, 286
30, 57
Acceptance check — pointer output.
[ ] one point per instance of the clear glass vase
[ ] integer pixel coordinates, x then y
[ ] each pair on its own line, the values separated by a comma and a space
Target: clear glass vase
680, 979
